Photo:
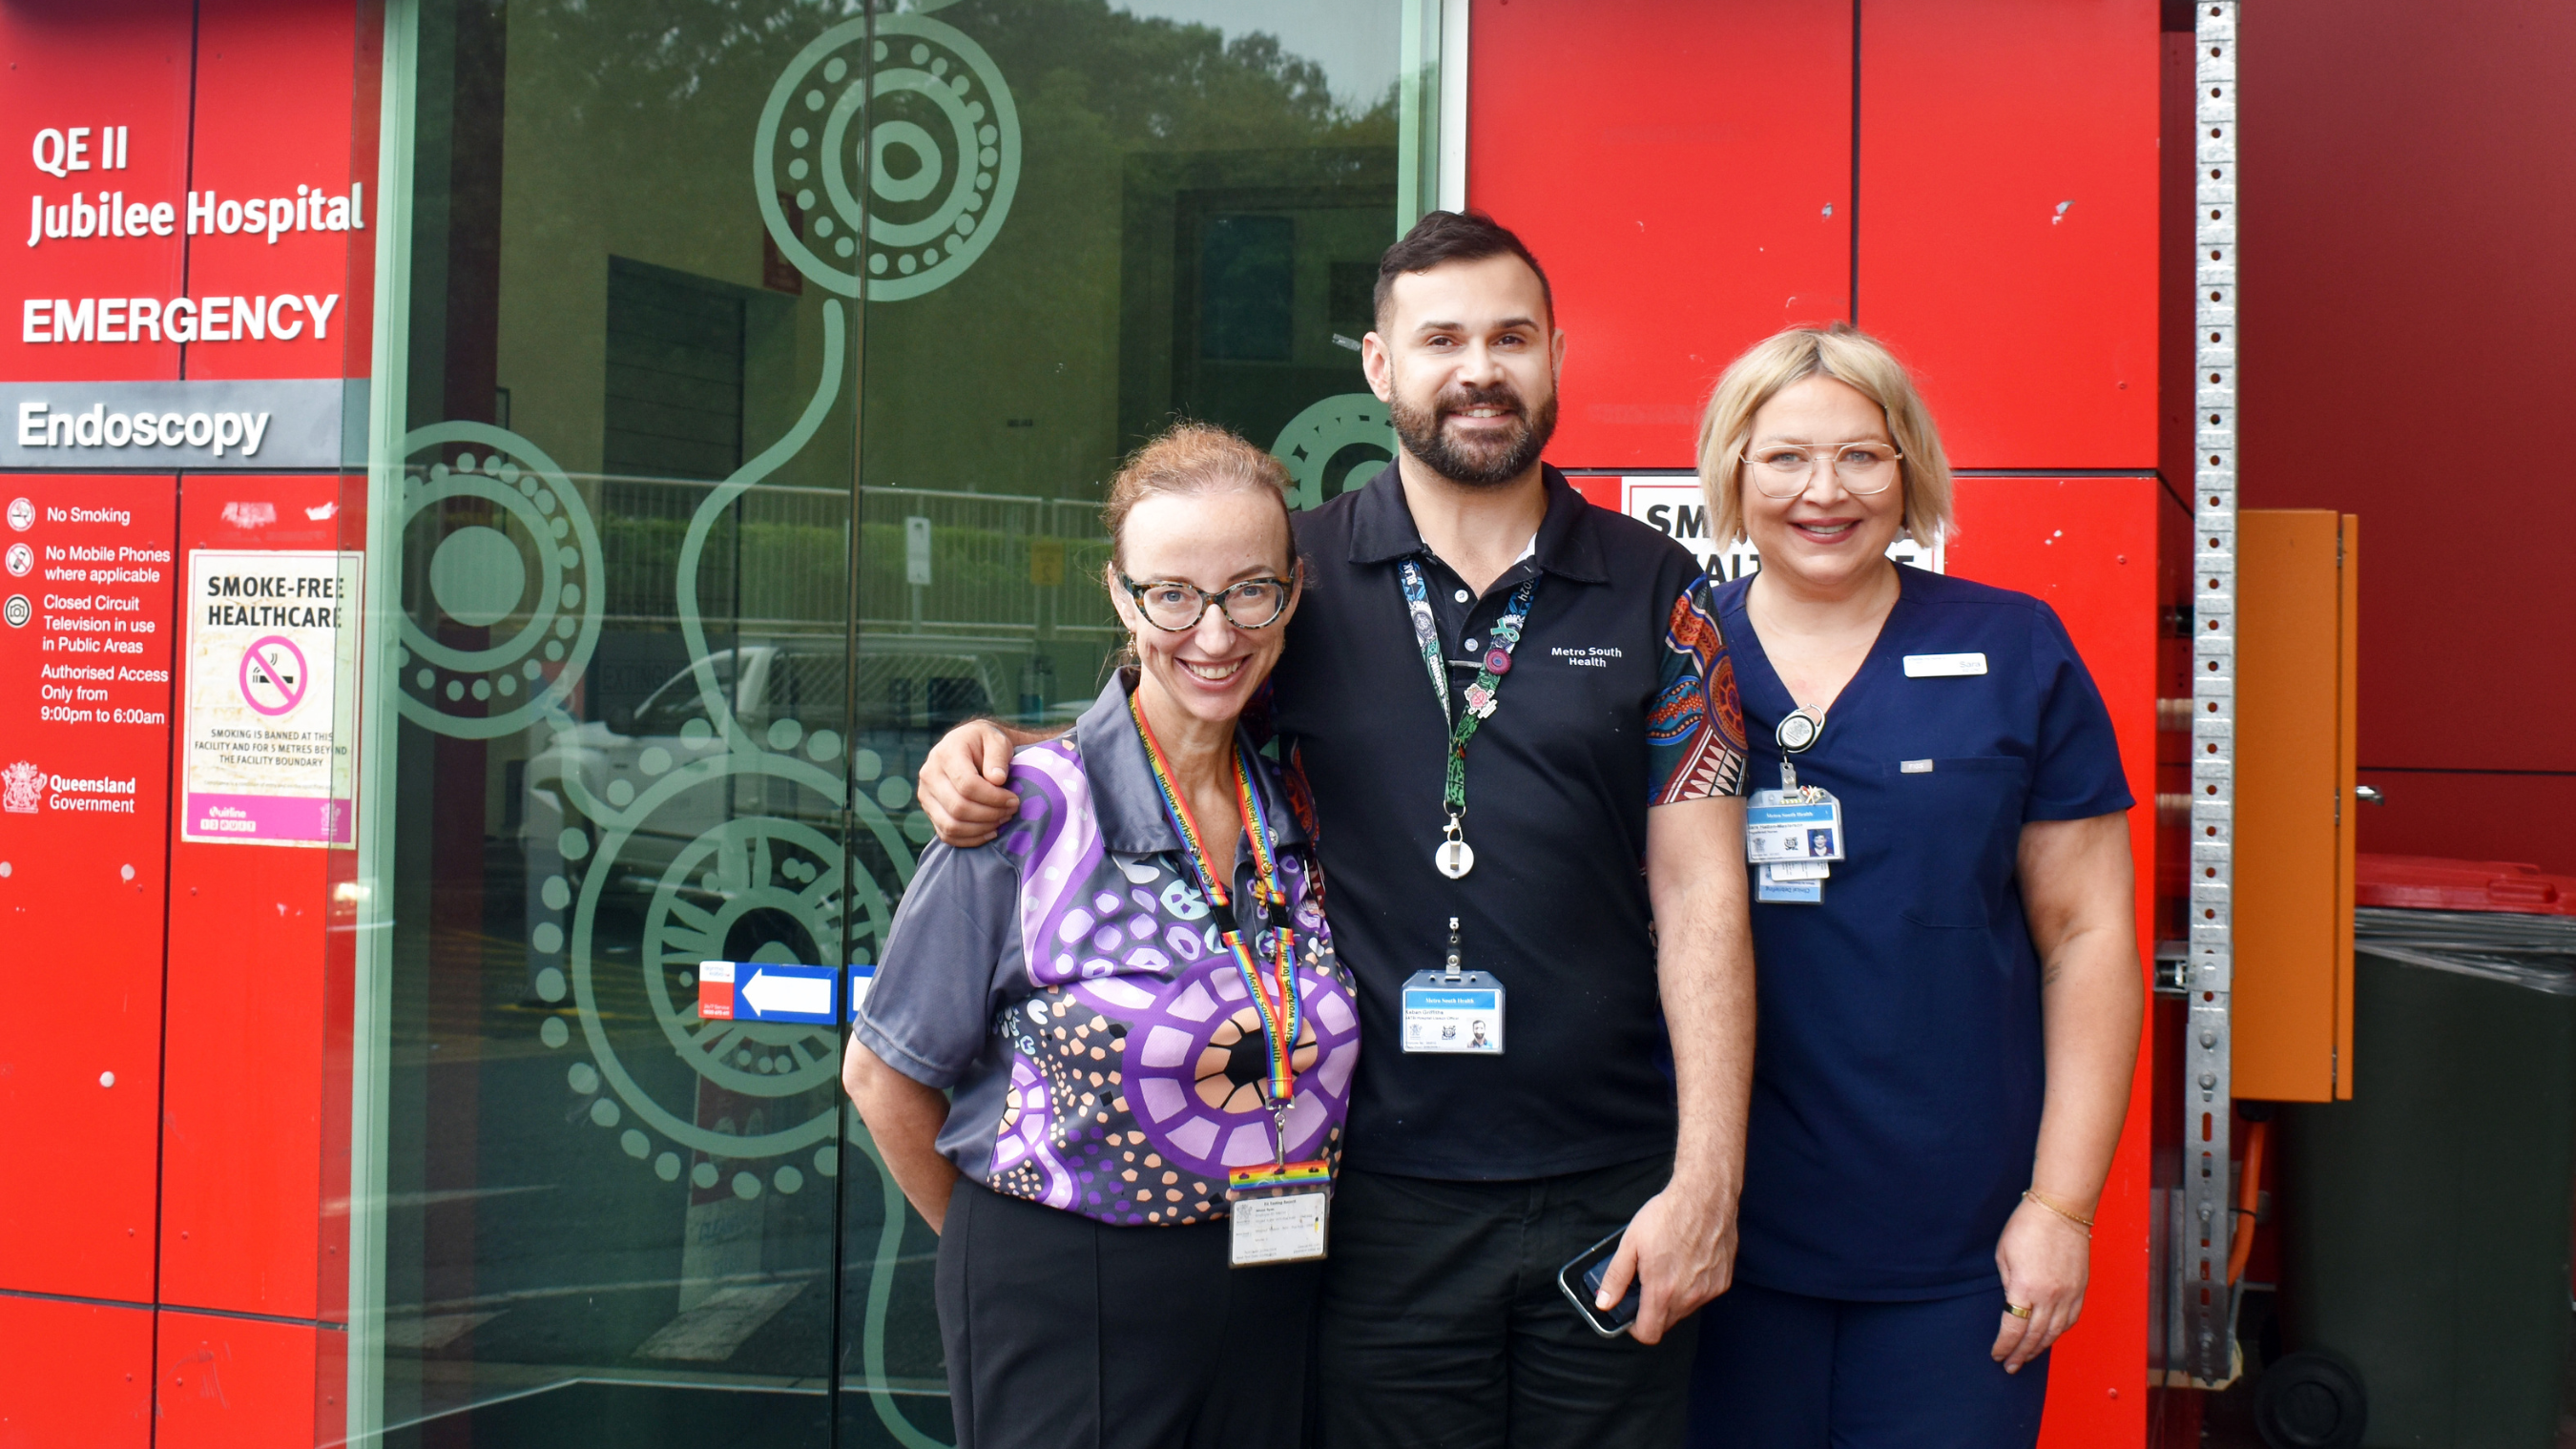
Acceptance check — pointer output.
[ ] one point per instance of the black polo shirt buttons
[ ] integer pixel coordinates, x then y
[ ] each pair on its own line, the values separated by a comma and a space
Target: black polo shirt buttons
1461, 596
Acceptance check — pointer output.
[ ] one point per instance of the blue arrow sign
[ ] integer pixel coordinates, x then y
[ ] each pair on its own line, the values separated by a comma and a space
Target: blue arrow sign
767, 991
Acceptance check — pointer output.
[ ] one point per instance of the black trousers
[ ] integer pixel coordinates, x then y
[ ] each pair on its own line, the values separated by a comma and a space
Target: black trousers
1072, 1334
1442, 1326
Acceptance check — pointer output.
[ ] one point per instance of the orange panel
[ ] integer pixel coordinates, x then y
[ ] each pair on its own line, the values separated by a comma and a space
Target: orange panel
2293, 879
84, 753
74, 1374
233, 1383
2347, 814
2088, 546
2007, 212
1682, 168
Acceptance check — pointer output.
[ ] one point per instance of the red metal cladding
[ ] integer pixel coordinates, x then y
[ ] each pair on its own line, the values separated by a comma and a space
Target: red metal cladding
281, 202
2087, 547
85, 705
2008, 214
254, 1153
228, 1383
74, 1374
95, 215
2382, 282
1683, 172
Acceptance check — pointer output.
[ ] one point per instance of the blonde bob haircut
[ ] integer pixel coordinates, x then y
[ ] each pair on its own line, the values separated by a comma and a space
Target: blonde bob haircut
1848, 356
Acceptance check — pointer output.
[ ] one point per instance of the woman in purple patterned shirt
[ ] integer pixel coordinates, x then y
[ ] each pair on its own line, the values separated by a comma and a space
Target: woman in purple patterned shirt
1108, 1054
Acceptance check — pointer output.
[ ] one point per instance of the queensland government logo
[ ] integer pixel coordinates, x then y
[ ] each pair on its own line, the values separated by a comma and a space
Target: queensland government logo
22, 788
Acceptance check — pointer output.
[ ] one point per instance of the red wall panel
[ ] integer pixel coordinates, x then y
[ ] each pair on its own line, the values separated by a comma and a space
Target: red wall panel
74, 1374
2087, 546
275, 102
229, 1383
248, 1167
2408, 190
1682, 169
2007, 215
60, 75
84, 707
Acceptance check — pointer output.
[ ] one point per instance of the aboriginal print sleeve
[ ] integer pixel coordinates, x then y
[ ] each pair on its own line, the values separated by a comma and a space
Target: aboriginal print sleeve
1695, 732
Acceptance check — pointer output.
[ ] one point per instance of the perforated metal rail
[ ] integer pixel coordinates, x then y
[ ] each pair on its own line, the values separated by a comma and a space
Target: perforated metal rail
2204, 1320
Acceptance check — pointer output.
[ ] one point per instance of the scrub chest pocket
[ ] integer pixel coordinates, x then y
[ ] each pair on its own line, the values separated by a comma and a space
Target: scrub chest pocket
1958, 824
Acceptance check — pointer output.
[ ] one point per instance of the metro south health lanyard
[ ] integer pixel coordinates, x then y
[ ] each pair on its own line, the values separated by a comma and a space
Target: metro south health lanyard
1279, 998
1455, 857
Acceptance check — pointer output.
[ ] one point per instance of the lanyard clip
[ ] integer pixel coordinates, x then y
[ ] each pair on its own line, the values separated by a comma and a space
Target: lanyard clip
1454, 971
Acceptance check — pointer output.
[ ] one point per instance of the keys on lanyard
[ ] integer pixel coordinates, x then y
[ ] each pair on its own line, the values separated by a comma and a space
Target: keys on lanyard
1792, 834
1454, 857
1278, 1212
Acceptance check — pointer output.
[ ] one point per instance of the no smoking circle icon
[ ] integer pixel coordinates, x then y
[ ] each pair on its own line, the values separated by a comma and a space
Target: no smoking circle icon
273, 677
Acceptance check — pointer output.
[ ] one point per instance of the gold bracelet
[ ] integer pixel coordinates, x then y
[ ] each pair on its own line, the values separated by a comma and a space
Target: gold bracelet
2034, 1195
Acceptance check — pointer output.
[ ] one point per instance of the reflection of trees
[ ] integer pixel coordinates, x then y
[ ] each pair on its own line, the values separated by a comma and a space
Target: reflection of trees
1155, 82
1166, 83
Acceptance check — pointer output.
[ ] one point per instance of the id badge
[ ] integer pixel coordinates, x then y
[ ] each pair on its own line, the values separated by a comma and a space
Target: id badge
1804, 888
1280, 1215
1453, 1012
1779, 829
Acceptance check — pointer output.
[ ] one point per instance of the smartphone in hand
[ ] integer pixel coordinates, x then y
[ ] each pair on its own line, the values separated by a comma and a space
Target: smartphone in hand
1580, 1281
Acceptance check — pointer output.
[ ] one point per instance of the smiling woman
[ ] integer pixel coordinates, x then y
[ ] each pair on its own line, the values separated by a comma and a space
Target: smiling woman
1950, 995
1108, 1052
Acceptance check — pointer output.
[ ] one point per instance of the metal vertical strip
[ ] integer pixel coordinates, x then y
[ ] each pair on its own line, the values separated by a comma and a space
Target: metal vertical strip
1453, 105
2208, 1221
371, 1027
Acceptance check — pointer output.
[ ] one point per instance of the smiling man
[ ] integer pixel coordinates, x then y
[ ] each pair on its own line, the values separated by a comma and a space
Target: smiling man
1519, 726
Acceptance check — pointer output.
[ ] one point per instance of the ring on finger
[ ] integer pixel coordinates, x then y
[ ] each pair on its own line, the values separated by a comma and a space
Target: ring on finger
2018, 1310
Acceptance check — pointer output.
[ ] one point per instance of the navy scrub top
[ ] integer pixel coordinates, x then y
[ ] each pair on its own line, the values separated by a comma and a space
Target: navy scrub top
1898, 1073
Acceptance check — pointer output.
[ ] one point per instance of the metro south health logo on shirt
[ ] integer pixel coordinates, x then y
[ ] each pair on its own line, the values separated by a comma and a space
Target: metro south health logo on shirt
1597, 656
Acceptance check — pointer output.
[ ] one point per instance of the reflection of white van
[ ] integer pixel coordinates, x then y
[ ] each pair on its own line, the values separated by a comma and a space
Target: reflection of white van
802, 680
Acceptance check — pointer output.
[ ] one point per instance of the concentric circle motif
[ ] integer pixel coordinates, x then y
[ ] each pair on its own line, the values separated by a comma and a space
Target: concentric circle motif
511, 551
746, 888
1335, 446
906, 145
1194, 1067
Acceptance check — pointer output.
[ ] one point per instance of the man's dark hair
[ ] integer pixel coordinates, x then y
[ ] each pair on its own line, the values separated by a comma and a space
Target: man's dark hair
1451, 236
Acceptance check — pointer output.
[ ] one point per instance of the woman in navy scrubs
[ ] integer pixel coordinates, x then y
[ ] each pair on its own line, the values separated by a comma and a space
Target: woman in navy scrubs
1950, 1017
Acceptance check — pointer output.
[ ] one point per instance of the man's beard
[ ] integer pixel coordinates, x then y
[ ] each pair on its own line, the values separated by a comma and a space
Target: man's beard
1478, 464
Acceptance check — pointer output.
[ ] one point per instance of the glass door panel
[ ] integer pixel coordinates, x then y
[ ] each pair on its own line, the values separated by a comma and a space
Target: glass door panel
692, 579
625, 747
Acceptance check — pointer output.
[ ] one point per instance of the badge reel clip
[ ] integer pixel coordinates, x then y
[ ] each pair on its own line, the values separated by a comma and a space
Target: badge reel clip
1792, 835
1453, 1009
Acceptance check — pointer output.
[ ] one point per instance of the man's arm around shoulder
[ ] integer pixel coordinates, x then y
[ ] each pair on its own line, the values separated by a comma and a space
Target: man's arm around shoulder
965, 782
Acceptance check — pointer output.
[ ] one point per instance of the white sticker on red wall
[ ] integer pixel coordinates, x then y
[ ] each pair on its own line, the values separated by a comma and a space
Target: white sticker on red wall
271, 709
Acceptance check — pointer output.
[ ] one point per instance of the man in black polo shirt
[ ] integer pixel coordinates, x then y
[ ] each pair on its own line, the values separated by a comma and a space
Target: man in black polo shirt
1469, 608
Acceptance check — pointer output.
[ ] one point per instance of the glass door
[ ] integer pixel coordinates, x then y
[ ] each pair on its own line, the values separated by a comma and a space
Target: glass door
764, 364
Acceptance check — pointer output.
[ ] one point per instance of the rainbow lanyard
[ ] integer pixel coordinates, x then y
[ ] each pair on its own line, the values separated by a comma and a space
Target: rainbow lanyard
1277, 996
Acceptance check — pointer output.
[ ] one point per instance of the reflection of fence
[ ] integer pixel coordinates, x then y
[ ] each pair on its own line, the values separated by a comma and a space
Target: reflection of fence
1000, 566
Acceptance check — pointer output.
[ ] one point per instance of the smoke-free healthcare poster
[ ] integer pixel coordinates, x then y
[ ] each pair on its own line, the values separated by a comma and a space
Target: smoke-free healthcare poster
271, 714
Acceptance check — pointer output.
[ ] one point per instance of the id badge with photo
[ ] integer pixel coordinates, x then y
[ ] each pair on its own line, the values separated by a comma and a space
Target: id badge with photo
1806, 827
1279, 1214
1460, 1011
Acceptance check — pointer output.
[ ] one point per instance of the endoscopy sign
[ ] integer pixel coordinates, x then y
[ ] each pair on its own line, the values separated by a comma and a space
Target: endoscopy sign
294, 423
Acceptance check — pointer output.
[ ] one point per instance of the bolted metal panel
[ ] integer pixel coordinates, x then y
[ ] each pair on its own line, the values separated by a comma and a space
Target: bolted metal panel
2204, 1220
